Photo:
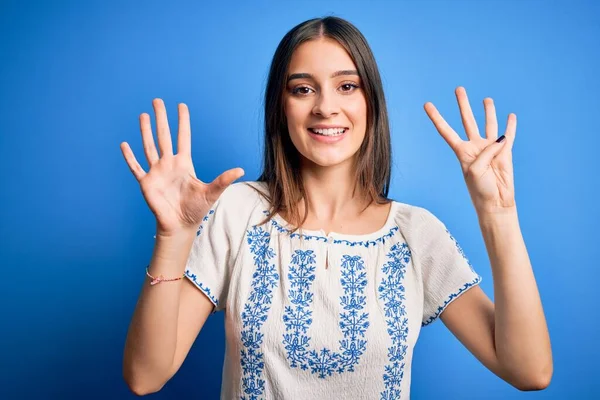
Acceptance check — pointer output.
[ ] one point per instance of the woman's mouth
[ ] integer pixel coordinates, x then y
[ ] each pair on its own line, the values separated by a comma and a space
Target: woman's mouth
328, 135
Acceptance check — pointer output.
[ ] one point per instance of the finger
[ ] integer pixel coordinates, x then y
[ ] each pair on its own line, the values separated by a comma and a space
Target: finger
148, 139
510, 133
184, 136
491, 122
134, 166
466, 113
484, 159
449, 135
511, 126
162, 128
221, 182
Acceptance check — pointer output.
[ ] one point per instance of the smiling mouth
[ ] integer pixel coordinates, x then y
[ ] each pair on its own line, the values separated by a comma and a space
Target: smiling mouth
330, 132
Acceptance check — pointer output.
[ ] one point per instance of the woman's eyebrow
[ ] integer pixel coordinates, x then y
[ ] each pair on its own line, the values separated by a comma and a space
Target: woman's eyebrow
304, 75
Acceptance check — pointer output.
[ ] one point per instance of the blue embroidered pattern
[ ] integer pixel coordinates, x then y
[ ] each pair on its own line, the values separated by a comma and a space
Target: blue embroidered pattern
391, 291
193, 276
466, 286
324, 239
450, 298
206, 218
460, 250
255, 313
202, 287
298, 317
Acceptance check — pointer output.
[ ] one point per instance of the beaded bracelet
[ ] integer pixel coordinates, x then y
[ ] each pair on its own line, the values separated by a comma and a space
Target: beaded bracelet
161, 278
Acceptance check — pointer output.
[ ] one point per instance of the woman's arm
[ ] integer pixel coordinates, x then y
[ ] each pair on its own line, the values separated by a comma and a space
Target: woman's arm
511, 337
168, 316
166, 321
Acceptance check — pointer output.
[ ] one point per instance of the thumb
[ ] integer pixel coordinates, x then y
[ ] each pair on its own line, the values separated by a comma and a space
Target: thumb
221, 182
487, 155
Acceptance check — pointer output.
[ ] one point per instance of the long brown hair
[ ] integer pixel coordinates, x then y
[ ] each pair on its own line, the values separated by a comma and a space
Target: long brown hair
281, 160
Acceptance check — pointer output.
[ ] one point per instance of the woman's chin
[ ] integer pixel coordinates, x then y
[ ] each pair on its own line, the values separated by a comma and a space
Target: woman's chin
329, 160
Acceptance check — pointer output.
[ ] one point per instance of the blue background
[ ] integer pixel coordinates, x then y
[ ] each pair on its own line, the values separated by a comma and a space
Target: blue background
75, 231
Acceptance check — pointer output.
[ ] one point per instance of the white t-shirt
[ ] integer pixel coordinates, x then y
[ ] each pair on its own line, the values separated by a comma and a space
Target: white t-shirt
297, 330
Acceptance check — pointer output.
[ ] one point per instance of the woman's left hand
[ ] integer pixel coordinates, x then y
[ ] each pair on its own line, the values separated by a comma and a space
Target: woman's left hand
486, 165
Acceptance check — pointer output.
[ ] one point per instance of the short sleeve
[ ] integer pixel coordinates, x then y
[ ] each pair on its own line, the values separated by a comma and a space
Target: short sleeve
446, 271
214, 250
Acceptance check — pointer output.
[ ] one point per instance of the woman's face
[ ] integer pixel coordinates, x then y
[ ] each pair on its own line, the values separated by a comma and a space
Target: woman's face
324, 103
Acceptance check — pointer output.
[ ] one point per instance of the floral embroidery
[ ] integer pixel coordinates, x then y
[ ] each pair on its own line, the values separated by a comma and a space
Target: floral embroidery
324, 239
298, 317
391, 291
206, 218
255, 313
202, 287
460, 250
466, 286
441, 308
193, 276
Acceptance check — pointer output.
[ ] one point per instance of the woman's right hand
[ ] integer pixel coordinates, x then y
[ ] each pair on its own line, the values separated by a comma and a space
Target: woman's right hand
175, 196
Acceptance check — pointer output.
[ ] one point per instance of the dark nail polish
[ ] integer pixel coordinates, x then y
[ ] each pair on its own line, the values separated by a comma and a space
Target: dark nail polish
500, 139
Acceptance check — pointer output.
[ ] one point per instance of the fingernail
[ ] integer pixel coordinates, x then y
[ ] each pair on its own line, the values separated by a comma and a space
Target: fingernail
501, 138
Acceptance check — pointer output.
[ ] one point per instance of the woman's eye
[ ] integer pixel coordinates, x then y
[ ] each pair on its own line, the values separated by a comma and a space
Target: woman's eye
349, 87
301, 90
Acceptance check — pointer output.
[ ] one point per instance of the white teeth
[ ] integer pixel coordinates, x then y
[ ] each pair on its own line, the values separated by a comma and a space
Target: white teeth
329, 132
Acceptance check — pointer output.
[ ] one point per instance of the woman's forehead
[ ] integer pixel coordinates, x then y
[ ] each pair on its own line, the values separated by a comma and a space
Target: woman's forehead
320, 58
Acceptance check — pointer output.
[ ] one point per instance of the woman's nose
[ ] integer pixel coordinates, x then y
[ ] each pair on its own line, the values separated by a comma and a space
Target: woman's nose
326, 105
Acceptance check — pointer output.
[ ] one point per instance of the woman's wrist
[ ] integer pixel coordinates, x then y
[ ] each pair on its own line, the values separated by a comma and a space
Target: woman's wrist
170, 253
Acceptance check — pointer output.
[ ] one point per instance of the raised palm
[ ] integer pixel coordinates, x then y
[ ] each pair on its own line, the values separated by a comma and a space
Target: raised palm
487, 165
175, 196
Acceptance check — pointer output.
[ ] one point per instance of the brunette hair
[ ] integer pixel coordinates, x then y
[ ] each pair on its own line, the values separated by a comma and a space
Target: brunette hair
281, 160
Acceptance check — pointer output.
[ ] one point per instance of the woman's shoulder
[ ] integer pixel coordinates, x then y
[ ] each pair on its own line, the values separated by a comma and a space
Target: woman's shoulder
243, 198
410, 211
243, 190
415, 218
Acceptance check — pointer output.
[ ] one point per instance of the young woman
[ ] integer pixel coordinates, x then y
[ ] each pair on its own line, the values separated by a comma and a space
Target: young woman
324, 280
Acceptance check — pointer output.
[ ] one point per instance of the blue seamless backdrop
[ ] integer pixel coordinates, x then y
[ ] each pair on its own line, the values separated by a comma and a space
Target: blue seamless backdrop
76, 234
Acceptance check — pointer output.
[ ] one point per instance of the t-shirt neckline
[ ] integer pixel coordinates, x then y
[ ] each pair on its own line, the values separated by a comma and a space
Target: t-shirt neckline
387, 227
